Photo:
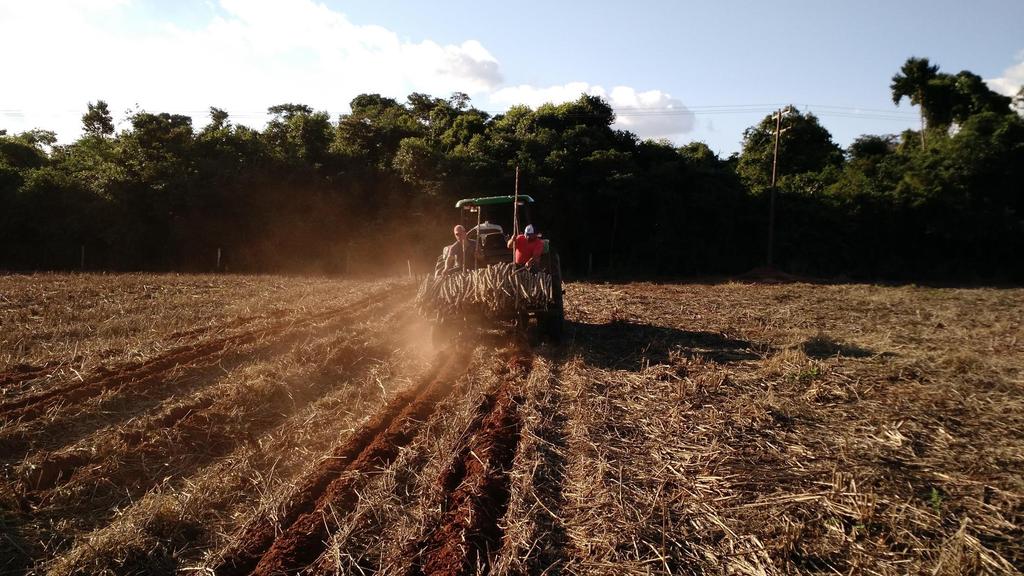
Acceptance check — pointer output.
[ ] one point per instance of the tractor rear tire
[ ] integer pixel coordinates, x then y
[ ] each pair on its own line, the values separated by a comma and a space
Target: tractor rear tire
442, 333
552, 322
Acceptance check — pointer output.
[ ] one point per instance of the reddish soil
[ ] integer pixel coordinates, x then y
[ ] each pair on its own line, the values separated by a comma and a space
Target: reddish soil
136, 436
23, 372
188, 424
54, 470
203, 353
469, 533
334, 483
241, 321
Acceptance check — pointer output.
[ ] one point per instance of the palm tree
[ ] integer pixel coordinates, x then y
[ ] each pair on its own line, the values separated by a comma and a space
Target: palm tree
912, 82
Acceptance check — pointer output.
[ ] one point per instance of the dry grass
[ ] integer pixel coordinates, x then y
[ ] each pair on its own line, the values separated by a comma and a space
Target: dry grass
534, 528
875, 430
398, 507
209, 505
71, 324
200, 450
683, 429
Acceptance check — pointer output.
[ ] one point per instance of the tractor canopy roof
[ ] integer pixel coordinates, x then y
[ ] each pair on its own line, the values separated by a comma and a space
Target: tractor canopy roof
491, 201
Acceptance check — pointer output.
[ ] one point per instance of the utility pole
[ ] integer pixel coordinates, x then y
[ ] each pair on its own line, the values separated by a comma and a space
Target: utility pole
920, 98
775, 165
771, 203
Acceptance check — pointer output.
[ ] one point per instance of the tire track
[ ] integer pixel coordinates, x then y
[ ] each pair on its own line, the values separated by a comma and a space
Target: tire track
535, 539
330, 491
64, 429
203, 423
469, 535
25, 372
548, 480
32, 407
95, 491
98, 482
22, 374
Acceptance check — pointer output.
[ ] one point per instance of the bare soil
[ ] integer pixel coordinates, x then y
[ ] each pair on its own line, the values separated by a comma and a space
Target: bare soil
154, 424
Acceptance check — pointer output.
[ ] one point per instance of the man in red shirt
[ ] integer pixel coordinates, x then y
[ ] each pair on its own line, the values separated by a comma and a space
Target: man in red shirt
528, 247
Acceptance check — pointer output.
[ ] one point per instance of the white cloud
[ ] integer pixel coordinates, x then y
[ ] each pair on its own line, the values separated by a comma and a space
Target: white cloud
649, 114
534, 97
250, 54
1012, 79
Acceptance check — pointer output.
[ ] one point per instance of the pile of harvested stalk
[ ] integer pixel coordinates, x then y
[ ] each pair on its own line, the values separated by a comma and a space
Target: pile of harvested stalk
497, 290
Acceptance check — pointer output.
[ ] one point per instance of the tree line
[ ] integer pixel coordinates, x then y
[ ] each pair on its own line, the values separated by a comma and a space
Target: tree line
373, 188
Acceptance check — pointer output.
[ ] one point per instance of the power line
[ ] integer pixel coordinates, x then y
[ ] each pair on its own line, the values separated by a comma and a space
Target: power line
619, 111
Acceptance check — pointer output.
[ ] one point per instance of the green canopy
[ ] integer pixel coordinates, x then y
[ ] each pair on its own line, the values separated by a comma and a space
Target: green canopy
491, 201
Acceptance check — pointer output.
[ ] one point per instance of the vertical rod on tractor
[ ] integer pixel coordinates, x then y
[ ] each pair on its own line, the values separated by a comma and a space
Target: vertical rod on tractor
515, 207
515, 233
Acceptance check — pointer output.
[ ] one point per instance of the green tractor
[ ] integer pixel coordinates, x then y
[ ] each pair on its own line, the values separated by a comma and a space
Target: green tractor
491, 222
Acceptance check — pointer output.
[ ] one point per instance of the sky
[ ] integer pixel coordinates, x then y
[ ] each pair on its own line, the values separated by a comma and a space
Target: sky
682, 70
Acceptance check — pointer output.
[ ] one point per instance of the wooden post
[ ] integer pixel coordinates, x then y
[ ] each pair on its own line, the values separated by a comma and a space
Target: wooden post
218, 259
408, 264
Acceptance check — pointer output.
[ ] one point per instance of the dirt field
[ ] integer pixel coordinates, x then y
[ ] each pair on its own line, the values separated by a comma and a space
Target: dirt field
234, 425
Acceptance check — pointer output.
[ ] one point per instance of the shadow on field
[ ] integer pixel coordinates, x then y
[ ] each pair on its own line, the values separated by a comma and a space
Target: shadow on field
821, 347
631, 346
14, 555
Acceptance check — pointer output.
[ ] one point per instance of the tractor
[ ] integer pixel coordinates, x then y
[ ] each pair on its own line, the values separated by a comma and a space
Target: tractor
490, 222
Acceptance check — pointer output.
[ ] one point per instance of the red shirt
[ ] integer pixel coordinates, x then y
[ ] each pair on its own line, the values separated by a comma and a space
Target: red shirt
525, 248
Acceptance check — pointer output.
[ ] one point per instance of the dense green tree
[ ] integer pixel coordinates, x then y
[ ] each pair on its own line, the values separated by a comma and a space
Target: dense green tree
298, 135
97, 121
159, 168
417, 162
805, 146
973, 96
699, 154
218, 119
459, 101
22, 151
20, 156
870, 146
376, 186
288, 111
370, 135
944, 98
157, 148
421, 105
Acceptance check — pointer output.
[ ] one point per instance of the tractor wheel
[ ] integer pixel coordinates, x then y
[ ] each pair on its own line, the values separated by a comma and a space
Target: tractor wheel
522, 321
442, 332
552, 321
521, 324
